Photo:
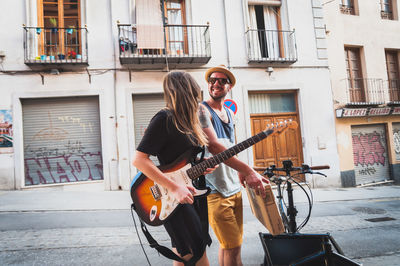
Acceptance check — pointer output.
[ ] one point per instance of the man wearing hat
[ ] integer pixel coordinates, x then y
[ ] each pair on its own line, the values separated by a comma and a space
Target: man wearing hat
225, 209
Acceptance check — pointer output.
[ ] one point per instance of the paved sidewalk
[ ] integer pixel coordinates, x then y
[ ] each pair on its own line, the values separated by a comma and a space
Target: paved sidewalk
51, 200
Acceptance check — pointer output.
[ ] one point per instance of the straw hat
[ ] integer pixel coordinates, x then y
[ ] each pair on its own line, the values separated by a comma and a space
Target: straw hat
221, 69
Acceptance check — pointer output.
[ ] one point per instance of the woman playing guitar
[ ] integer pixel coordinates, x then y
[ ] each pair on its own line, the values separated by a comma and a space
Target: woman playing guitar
173, 131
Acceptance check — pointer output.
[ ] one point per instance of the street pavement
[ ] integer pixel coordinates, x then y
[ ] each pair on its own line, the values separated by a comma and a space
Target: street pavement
52, 226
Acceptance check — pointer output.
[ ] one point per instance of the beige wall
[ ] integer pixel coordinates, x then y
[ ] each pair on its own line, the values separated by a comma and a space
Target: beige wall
367, 31
372, 35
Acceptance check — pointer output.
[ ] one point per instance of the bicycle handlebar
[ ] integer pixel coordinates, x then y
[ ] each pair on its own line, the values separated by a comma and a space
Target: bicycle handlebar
288, 168
320, 167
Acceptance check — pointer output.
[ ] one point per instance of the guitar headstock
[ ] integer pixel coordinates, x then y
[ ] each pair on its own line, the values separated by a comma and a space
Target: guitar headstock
281, 126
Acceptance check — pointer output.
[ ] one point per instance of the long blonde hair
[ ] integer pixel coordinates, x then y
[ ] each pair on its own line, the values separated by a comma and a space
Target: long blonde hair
182, 95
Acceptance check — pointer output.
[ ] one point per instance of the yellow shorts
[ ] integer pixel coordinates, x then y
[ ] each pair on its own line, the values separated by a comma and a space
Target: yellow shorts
225, 216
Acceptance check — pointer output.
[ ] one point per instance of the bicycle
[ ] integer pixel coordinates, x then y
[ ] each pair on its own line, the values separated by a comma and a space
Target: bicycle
298, 249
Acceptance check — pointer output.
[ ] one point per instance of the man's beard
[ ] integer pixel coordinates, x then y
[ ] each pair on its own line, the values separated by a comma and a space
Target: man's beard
218, 98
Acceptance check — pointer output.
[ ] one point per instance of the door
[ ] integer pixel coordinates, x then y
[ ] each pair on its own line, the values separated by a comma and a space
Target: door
61, 22
176, 29
354, 75
266, 27
392, 66
277, 148
267, 108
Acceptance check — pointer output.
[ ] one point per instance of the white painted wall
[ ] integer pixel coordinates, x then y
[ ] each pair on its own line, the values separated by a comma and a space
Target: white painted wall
309, 75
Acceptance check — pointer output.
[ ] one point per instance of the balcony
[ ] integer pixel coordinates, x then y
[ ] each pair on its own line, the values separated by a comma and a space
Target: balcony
271, 46
55, 46
365, 92
386, 15
185, 44
347, 9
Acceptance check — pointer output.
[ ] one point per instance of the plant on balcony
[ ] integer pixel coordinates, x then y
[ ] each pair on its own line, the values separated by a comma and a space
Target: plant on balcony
72, 54
53, 22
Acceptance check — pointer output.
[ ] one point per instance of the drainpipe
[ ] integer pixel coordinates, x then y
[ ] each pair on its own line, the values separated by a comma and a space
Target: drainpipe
114, 162
226, 36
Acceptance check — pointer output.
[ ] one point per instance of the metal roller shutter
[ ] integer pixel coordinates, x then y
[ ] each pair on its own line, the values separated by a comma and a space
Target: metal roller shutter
62, 140
371, 161
396, 139
144, 108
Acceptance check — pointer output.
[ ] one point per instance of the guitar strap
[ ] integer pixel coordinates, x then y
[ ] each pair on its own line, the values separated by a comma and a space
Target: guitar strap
166, 252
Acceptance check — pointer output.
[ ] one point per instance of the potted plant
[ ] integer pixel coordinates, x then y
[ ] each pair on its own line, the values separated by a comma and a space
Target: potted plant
72, 54
53, 22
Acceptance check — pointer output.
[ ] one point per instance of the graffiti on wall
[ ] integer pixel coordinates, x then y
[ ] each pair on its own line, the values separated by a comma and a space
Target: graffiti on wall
369, 152
53, 155
368, 149
6, 132
396, 140
52, 168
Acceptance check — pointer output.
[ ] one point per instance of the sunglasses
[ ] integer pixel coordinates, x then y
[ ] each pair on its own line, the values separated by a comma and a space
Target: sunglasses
221, 81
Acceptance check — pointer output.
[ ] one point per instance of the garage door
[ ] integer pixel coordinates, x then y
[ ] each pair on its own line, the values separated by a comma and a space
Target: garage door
371, 162
62, 140
144, 108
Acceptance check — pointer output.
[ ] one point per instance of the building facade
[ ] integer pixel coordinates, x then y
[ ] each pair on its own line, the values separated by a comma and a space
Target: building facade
83, 78
363, 50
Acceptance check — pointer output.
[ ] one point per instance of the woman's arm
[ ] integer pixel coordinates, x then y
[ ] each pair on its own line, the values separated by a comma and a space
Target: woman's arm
183, 194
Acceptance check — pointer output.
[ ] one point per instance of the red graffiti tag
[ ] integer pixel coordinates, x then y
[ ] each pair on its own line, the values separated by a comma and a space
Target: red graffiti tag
368, 149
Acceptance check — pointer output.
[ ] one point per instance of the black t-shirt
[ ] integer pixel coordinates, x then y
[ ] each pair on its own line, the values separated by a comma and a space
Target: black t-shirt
162, 139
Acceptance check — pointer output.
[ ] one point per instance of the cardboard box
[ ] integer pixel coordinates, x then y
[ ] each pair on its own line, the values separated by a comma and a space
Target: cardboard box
265, 210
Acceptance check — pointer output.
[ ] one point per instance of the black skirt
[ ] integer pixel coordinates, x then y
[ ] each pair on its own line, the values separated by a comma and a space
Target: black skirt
188, 228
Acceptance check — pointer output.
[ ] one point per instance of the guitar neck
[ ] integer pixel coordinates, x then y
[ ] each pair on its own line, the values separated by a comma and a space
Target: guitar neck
199, 169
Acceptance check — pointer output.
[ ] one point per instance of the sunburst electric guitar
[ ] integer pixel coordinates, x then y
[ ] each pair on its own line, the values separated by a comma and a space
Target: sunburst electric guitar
154, 204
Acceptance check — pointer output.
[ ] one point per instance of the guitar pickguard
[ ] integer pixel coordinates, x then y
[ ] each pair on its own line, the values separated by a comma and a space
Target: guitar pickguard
168, 202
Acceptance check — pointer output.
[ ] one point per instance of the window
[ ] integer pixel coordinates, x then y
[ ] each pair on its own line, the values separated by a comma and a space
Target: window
392, 66
60, 20
355, 79
347, 7
387, 9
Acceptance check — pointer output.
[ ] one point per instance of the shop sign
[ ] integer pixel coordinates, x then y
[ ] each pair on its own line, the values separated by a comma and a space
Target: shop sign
354, 112
379, 111
396, 111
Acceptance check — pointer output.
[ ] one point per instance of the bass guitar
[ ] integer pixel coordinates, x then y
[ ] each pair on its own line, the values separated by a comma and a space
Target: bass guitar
154, 204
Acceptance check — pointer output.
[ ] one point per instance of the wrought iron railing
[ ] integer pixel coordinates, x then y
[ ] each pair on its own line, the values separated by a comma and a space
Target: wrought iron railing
347, 9
180, 41
271, 46
365, 91
386, 15
55, 45
393, 86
